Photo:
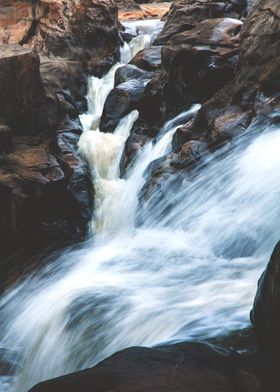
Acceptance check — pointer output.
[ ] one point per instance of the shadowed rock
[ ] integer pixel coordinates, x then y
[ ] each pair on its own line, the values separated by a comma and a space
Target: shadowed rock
195, 367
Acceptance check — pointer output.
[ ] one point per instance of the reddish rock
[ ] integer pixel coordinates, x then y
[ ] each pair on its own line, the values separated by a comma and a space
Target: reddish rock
86, 29
16, 20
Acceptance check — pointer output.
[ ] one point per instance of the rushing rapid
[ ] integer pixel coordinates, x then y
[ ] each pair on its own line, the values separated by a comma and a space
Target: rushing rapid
189, 272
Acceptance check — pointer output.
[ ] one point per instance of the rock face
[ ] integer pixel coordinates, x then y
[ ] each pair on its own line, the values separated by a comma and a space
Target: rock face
196, 63
22, 100
265, 314
86, 29
194, 367
185, 15
127, 4
48, 49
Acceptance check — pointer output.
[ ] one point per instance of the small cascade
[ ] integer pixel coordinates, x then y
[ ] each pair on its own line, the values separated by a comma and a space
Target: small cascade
190, 273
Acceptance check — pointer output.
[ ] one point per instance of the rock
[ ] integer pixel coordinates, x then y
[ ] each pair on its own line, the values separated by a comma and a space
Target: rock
265, 314
222, 32
127, 4
259, 44
16, 21
185, 15
120, 101
254, 91
190, 75
6, 138
148, 59
133, 145
132, 72
45, 190
22, 99
192, 366
127, 33
85, 30
65, 84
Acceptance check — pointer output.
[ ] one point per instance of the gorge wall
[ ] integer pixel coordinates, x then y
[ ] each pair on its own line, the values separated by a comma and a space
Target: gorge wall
48, 49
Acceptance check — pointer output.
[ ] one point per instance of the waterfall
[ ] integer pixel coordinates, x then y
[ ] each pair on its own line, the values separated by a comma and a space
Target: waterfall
189, 272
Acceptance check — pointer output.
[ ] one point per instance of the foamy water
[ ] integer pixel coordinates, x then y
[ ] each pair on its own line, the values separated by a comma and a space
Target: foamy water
189, 272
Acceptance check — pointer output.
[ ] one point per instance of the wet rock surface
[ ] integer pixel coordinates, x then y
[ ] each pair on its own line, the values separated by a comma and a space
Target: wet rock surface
132, 72
120, 101
48, 50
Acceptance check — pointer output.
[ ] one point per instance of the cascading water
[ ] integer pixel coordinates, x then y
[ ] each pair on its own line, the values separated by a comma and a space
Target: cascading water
190, 274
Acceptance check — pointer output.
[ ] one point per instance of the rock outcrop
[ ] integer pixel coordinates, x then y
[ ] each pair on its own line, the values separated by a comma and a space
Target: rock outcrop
48, 49
265, 314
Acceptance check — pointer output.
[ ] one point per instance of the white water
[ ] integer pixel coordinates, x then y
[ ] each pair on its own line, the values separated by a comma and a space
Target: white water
190, 274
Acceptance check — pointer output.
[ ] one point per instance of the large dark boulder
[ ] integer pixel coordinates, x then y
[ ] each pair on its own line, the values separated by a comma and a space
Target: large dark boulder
22, 97
148, 59
185, 15
265, 314
130, 72
120, 101
192, 367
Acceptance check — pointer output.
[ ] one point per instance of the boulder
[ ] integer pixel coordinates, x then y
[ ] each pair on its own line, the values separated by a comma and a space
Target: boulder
185, 15
16, 21
120, 101
265, 315
190, 75
195, 367
148, 59
132, 72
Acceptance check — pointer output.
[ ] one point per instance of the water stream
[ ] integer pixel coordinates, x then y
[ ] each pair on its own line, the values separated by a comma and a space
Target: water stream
187, 273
